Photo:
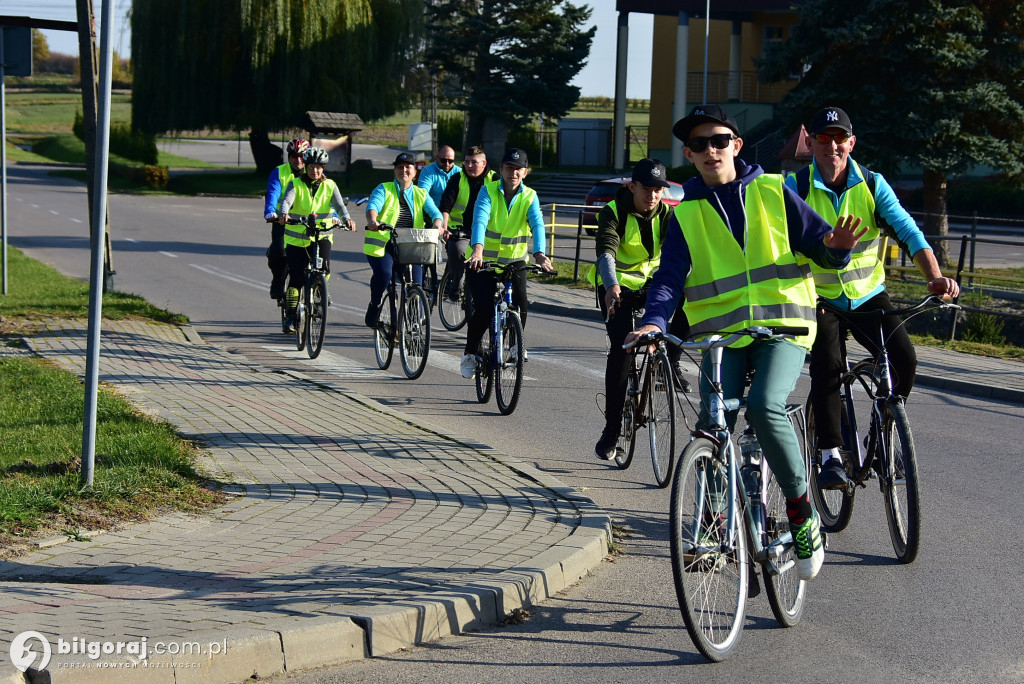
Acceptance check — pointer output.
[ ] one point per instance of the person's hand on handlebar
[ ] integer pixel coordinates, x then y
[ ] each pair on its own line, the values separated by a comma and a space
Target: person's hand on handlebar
476, 258
283, 218
349, 224
544, 262
612, 299
944, 287
632, 337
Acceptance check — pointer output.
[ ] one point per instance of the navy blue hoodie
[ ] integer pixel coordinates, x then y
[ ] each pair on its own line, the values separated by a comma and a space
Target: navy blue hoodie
807, 231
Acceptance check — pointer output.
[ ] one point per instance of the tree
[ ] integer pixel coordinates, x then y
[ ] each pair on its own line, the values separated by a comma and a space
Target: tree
40, 50
507, 61
936, 83
261, 64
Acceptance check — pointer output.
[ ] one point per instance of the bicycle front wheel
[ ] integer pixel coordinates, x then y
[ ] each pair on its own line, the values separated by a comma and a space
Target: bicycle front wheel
661, 418
899, 482
627, 434
317, 316
508, 378
711, 575
786, 591
452, 310
302, 319
415, 332
835, 506
384, 334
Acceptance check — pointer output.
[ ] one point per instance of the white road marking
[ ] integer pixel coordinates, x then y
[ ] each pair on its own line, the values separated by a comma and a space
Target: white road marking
55, 213
78, 221
130, 240
173, 256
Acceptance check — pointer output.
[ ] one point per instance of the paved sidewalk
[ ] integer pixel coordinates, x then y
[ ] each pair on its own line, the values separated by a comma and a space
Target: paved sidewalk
351, 531
936, 368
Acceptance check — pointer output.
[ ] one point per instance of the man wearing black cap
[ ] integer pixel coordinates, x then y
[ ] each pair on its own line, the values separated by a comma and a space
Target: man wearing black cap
506, 216
835, 183
630, 232
737, 246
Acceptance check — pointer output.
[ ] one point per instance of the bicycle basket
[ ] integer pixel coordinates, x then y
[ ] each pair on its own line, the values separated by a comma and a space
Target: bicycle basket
416, 245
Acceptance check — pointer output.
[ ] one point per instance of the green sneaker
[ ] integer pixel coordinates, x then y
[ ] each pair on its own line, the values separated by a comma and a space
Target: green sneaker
810, 553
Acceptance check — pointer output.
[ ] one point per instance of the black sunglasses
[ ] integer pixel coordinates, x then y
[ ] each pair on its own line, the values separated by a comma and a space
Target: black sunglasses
719, 141
445, 161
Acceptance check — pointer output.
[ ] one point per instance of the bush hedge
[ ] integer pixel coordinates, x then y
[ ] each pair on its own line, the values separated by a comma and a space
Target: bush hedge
124, 141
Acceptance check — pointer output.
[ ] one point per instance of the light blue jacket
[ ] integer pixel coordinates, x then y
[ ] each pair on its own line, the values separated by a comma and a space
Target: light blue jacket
433, 180
888, 207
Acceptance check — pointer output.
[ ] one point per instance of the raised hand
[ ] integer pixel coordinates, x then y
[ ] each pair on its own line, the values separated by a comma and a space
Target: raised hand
845, 233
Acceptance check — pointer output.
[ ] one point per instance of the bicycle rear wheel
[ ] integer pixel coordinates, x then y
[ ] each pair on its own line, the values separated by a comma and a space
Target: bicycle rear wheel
835, 506
508, 379
484, 377
661, 418
317, 316
899, 482
415, 332
786, 591
627, 434
452, 311
710, 576
383, 334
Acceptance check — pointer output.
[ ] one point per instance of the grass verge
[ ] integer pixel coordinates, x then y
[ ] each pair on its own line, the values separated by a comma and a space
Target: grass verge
142, 467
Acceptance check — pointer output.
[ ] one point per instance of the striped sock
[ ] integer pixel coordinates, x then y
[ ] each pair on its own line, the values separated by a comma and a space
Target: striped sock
799, 509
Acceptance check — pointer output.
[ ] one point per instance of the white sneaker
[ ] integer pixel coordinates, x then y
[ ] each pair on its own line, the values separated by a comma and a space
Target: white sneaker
810, 552
468, 366
526, 355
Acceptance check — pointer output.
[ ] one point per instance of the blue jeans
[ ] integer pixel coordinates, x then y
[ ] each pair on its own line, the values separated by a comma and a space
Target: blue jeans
777, 364
382, 267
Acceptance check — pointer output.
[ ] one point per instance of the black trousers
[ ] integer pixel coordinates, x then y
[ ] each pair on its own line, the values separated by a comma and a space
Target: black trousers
482, 286
276, 259
827, 365
298, 258
616, 370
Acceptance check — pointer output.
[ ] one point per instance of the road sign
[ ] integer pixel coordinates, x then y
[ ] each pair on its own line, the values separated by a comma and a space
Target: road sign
17, 55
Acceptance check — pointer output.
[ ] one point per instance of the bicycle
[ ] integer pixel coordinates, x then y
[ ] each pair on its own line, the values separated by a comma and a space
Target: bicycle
721, 503
311, 311
650, 402
404, 313
888, 450
453, 311
499, 362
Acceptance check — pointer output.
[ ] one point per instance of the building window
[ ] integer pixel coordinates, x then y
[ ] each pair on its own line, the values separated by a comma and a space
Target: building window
772, 34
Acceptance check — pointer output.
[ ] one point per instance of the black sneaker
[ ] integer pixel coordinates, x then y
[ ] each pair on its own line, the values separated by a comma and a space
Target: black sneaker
277, 288
372, 315
833, 475
605, 448
681, 381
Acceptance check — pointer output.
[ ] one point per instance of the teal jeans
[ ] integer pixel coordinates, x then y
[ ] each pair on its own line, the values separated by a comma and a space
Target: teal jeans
777, 364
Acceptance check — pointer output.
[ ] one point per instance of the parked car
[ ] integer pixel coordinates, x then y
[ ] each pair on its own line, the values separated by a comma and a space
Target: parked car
604, 191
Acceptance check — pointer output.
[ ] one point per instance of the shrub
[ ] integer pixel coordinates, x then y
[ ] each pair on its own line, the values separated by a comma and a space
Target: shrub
449, 129
982, 327
124, 142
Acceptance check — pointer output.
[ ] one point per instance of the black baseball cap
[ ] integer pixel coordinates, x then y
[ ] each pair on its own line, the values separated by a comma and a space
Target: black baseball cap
405, 158
516, 157
831, 117
705, 113
650, 173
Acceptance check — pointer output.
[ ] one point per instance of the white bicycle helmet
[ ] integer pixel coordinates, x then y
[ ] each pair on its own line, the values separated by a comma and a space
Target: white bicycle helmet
315, 155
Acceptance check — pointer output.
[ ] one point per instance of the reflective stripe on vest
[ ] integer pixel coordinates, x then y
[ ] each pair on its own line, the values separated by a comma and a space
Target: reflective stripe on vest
865, 272
305, 204
729, 288
633, 264
508, 232
375, 240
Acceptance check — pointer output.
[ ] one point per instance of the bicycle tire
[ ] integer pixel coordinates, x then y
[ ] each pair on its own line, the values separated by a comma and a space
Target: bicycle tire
661, 418
383, 334
898, 457
508, 379
786, 591
484, 377
834, 506
626, 443
430, 286
284, 314
317, 316
452, 311
301, 320
711, 583
414, 342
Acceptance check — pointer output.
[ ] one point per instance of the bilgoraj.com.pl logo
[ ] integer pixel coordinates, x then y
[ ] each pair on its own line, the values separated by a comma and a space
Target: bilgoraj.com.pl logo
27, 647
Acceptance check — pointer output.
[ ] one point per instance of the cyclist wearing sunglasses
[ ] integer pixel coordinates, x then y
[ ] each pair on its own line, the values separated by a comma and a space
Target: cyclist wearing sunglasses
434, 177
738, 247
835, 184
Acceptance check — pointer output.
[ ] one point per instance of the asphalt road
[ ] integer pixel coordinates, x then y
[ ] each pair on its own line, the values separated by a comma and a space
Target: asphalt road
954, 615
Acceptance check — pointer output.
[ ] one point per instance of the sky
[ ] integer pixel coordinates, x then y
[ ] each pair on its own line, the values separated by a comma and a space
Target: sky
597, 78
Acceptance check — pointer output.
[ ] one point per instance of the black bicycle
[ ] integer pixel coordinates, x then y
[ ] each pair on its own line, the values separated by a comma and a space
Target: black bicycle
311, 311
499, 361
887, 451
404, 316
455, 307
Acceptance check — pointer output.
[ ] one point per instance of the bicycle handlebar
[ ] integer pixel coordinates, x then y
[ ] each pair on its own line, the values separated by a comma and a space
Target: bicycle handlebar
930, 301
758, 332
505, 269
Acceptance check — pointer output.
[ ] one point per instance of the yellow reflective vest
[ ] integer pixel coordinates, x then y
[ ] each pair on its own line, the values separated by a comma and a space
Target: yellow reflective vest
728, 287
306, 204
633, 264
462, 199
285, 174
508, 232
375, 240
865, 272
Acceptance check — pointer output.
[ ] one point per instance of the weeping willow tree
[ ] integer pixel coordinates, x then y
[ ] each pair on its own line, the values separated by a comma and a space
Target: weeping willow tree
260, 64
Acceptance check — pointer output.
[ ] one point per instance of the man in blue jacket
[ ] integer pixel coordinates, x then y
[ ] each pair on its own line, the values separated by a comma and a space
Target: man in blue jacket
434, 177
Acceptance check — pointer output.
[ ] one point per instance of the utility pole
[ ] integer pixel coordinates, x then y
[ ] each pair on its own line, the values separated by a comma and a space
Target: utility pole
89, 69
